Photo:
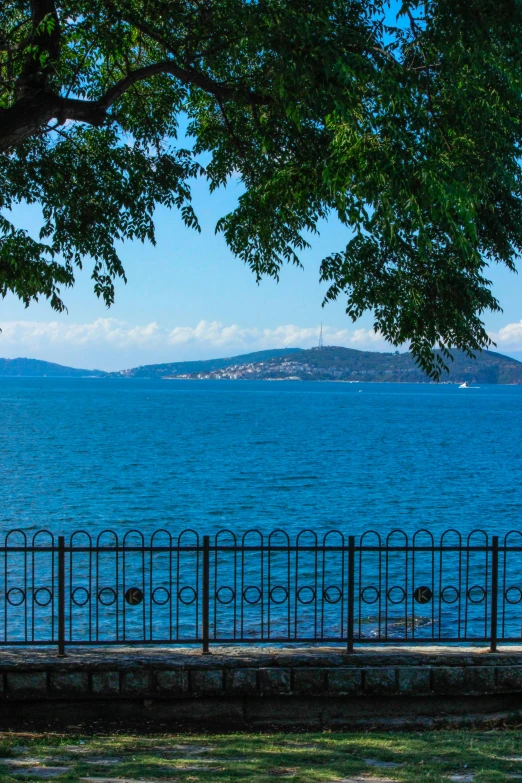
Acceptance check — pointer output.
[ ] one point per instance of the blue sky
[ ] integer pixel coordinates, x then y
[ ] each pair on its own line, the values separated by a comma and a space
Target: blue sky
189, 297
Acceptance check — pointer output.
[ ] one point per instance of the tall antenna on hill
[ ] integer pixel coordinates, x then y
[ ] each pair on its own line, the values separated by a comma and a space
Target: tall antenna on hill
320, 346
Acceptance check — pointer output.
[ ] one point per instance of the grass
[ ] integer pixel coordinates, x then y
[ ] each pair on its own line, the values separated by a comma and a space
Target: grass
489, 756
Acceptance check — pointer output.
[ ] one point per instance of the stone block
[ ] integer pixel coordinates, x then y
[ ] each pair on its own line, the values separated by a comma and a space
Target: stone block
414, 680
308, 682
479, 679
380, 681
275, 682
69, 683
105, 683
172, 682
207, 682
242, 681
137, 683
26, 685
345, 682
448, 679
509, 678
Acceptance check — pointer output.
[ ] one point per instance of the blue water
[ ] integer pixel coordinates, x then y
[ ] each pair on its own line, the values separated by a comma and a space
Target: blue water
93, 453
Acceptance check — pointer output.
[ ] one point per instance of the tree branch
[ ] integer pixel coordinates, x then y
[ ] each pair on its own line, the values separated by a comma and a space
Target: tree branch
186, 76
28, 115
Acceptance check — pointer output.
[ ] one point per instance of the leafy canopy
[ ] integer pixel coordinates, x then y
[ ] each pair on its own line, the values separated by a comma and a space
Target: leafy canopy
405, 123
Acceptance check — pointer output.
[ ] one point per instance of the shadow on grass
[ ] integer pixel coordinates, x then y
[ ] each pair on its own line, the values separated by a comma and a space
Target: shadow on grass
437, 757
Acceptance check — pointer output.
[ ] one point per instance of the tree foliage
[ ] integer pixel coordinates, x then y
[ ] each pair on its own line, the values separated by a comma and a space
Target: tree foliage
404, 122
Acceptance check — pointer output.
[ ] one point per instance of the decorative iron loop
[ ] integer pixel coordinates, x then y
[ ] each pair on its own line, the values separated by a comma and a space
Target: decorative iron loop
370, 591
225, 595
15, 591
396, 594
82, 591
510, 594
107, 596
164, 593
187, 591
278, 589
309, 594
247, 594
43, 596
449, 594
478, 592
332, 594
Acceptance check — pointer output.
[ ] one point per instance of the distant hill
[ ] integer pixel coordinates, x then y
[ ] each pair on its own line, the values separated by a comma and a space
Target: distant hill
347, 364
330, 363
34, 368
205, 366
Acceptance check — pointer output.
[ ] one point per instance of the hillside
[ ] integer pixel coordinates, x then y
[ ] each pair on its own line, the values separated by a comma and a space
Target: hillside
204, 366
34, 368
346, 364
328, 364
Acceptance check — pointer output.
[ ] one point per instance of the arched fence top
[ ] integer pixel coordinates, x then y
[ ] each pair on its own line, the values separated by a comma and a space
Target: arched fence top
111, 539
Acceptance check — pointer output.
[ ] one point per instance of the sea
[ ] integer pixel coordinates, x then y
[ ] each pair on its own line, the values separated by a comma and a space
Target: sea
96, 453
374, 461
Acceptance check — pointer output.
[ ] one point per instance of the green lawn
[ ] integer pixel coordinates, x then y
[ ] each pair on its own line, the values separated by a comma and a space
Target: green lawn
482, 756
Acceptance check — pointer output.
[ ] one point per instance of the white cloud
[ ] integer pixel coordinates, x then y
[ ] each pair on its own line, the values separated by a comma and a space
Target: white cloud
510, 336
153, 342
119, 335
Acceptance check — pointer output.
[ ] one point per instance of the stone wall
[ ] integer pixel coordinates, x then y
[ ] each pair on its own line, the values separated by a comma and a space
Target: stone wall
234, 687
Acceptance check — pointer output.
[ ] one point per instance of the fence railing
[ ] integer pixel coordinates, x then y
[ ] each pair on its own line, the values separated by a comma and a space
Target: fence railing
260, 588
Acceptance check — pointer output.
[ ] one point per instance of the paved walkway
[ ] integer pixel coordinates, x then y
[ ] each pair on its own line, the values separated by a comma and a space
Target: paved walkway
103, 655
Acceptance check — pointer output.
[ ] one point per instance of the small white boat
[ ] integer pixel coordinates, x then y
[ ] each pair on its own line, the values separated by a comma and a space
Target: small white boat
464, 385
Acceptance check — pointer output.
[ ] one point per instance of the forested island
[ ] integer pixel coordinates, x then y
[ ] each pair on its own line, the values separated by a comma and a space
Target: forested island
346, 364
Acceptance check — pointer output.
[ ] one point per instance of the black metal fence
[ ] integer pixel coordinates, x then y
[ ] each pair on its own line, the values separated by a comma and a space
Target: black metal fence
260, 588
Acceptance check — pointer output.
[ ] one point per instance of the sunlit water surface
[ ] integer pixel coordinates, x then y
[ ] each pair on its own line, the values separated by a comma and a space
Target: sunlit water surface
94, 454
208, 455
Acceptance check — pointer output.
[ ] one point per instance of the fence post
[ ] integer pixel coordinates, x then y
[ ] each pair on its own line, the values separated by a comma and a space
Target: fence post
351, 591
61, 596
205, 610
494, 594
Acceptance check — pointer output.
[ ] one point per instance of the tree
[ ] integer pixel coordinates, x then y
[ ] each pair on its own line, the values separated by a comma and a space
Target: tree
403, 122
